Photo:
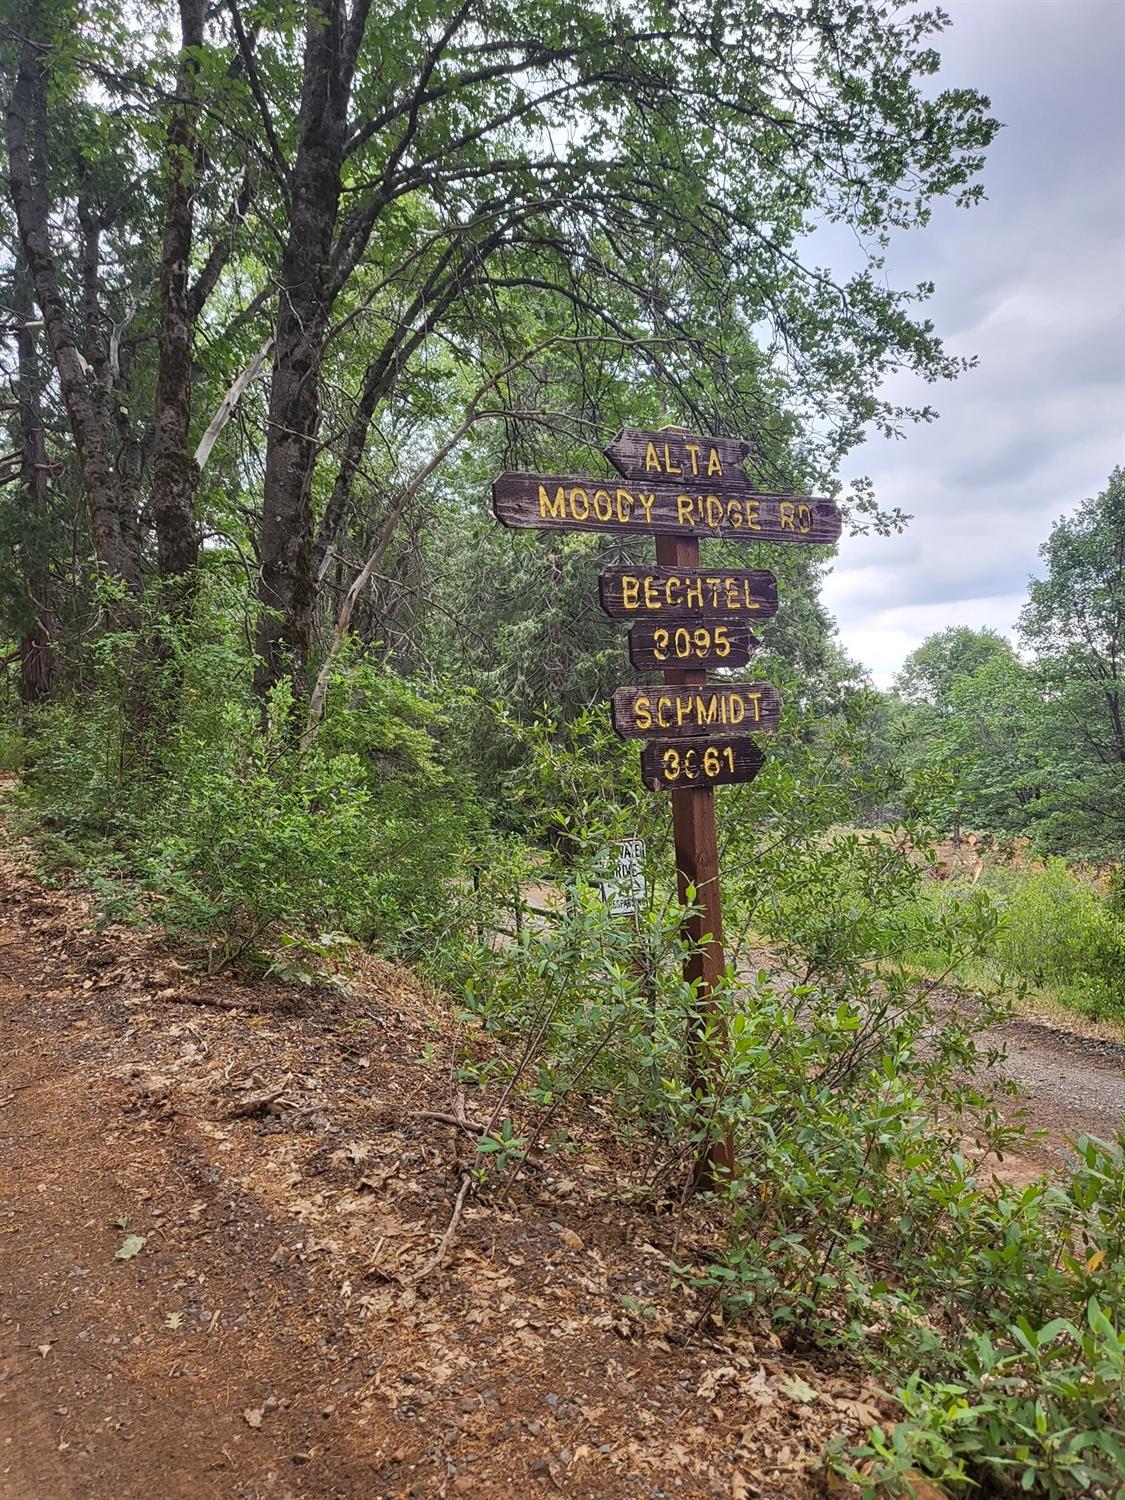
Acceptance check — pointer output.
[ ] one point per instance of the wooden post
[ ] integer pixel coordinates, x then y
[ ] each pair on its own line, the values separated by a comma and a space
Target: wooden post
697, 865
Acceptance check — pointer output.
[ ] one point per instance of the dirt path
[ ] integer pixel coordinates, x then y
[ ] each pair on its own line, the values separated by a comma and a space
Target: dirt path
1069, 1084
264, 1153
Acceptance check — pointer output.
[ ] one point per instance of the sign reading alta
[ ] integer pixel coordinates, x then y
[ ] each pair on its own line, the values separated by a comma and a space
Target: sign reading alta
678, 455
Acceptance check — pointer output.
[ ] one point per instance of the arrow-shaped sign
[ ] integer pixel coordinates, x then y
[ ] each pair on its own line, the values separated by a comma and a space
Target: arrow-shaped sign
578, 502
675, 454
670, 712
641, 593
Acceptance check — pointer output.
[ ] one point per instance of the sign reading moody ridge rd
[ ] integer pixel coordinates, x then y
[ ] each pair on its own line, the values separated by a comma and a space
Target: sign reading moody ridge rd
548, 502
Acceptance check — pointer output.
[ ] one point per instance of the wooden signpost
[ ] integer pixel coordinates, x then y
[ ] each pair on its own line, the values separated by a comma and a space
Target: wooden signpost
679, 487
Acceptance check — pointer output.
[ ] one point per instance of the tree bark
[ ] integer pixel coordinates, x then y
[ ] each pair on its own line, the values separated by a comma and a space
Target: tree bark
287, 590
114, 539
38, 662
175, 474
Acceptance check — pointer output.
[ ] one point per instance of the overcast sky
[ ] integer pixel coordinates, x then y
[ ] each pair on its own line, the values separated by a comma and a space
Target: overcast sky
1033, 282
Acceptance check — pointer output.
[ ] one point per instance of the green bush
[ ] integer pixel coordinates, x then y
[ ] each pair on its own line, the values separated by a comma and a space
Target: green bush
1057, 929
1031, 1395
229, 834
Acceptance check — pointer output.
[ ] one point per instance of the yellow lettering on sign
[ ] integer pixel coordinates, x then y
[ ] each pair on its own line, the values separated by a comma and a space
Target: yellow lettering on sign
669, 466
652, 459
646, 503
663, 703
642, 713
672, 591
755, 700
630, 592
785, 513
692, 451
713, 464
714, 512
734, 514
753, 507
652, 598
603, 505
706, 709
693, 593
549, 507
804, 518
579, 515
732, 594
683, 708
684, 509
624, 505
749, 602
736, 711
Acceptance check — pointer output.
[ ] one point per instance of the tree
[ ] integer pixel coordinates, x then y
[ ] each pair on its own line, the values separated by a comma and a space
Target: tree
1074, 623
395, 214
967, 709
932, 671
646, 176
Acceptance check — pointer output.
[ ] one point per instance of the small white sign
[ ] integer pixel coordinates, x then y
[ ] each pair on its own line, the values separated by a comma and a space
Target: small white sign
624, 891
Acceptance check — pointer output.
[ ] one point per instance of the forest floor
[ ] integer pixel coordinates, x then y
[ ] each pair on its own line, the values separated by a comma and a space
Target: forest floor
221, 1204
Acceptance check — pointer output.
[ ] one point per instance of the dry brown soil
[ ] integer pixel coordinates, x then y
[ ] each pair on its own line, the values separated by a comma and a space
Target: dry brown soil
271, 1336
278, 1332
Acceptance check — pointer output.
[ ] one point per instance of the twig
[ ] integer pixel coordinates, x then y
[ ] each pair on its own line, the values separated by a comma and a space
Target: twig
451, 1230
470, 1127
212, 1000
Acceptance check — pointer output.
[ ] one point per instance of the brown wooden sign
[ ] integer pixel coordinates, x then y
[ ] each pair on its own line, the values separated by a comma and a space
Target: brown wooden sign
679, 644
671, 711
675, 454
551, 502
686, 593
672, 768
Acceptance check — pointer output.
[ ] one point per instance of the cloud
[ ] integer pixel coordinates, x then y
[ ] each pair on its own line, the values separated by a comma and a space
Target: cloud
1032, 283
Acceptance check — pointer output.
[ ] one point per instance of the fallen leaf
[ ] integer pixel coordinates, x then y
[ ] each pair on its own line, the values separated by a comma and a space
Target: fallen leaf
569, 1238
253, 1416
133, 1245
44, 1350
798, 1390
173, 1320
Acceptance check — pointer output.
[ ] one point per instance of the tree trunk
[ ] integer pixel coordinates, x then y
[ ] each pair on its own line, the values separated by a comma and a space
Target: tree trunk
114, 540
175, 474
287, 590
38, 665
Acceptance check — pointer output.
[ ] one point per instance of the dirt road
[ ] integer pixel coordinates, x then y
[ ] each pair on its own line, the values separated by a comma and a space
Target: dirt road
1070, 1084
